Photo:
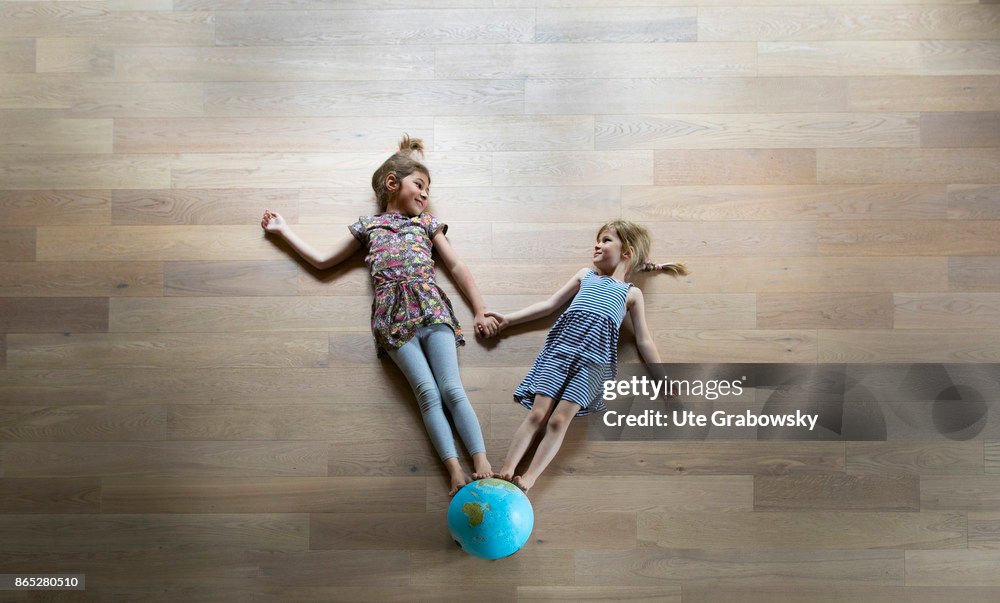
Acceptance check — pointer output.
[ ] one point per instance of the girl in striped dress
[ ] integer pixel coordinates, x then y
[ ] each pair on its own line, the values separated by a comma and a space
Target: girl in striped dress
581, 350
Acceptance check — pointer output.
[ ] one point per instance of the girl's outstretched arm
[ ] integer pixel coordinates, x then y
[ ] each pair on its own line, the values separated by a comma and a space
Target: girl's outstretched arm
643, 339
543, 308
485, 325
273, 222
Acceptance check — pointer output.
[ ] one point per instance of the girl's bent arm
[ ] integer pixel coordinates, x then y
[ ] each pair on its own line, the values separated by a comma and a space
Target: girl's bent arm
548, 306
643, 339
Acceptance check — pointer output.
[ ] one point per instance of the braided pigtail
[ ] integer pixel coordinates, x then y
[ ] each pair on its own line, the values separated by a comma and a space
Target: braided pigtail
671, 268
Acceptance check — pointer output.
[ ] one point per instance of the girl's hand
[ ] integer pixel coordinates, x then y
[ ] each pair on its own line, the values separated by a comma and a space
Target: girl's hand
272, 221
501, 321
487, 326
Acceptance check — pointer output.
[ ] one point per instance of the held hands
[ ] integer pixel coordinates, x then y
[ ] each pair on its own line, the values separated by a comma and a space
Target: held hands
487, 325
501, 322
272, 221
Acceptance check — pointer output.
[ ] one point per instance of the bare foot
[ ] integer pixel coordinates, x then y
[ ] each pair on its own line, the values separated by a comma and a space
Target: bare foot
481, 467
523, 483
457, 481
505, 474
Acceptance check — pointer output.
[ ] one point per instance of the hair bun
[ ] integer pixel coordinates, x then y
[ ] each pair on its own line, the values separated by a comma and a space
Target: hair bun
410, 146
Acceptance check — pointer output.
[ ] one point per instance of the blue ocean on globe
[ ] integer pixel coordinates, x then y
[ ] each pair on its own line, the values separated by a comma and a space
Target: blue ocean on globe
490, 518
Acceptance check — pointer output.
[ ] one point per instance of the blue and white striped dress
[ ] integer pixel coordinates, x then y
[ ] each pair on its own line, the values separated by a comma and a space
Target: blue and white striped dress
581, 350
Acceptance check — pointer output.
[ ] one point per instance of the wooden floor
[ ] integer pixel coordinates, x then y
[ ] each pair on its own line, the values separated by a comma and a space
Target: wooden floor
188, 413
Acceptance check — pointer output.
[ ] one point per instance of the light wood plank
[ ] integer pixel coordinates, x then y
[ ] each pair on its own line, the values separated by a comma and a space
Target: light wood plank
329, 568
53, 315
836, 23
960, 129
909, 237
80, 279
973, 202
681, 94
652, 565
363, 98
531, 566
239, 314
836, 491
824, 311
33, 171
946, 311
327, 28
155, 243
232, 278
75, 55
629, 24
952, 568
595, 60
263, 64
27, 495
782, 202
17, 244
908, 346
82, 423
663, 594
277, 135
395, 417
872, 166
927, 93
201, 206
156, 460
974, 273
984, 530
514, 133
842, 592
812, 530
32, 132
17, 55
735, 166
918, 458
588, 168
79, 533
191, 350
734, 345
759, 131
349, 496
696, 458
51, 208
225, 386
960, 493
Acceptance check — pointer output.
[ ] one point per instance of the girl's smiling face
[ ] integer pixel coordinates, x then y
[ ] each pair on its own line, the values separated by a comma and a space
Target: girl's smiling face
409, 196
608, 252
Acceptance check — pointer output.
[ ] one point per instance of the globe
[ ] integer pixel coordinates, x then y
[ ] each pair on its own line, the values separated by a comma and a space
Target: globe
490, 518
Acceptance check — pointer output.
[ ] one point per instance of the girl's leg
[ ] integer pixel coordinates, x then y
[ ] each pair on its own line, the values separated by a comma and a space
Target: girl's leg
439, 345
411, 361
555, 431
526, 432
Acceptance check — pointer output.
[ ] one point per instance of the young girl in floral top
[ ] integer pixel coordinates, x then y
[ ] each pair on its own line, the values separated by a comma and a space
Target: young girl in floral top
412, 318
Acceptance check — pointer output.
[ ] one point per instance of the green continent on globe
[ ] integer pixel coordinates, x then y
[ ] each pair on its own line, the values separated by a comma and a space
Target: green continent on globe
475, 511
492, 482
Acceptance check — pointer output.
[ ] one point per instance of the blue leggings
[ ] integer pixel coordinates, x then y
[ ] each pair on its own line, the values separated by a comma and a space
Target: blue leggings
430, 363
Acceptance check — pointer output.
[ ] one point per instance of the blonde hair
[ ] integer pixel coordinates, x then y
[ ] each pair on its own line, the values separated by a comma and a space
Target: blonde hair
635, 240
401, 164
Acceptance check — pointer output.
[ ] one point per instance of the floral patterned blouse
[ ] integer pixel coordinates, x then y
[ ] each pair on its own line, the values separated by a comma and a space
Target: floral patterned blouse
406, 294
